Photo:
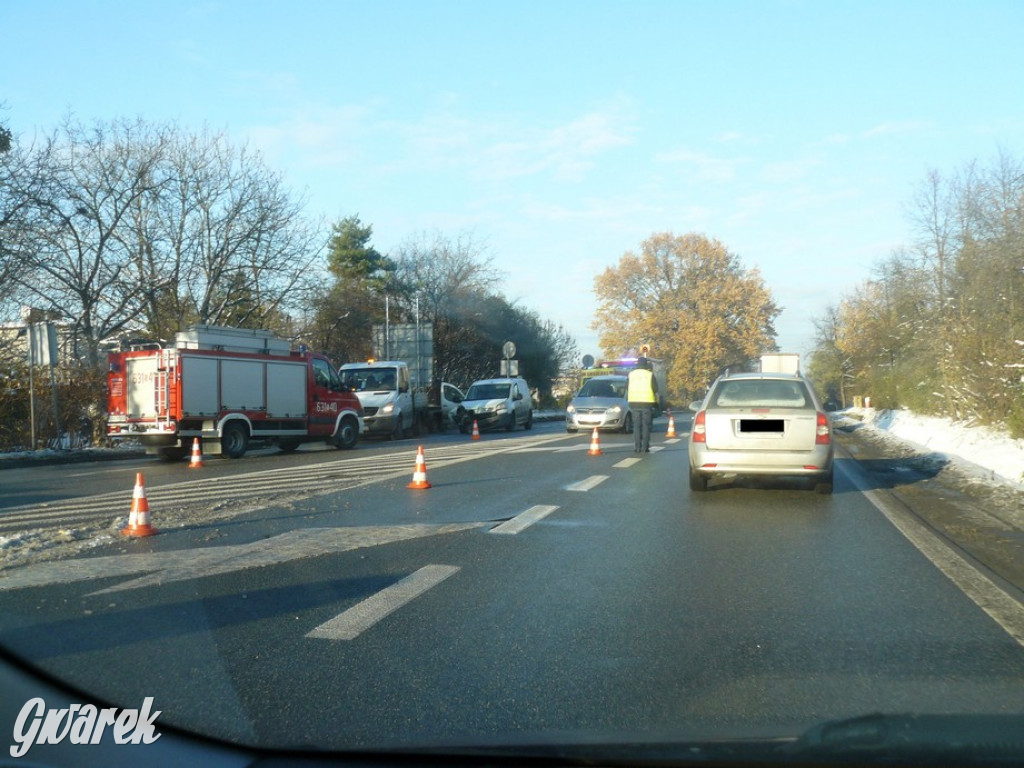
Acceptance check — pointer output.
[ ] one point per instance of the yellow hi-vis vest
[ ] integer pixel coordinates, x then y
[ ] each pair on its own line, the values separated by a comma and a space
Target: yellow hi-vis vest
640, 389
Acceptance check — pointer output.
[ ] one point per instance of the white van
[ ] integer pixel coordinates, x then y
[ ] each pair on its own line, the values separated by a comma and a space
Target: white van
497, 403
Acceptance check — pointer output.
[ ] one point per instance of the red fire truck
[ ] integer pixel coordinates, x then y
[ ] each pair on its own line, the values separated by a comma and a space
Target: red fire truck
227, 386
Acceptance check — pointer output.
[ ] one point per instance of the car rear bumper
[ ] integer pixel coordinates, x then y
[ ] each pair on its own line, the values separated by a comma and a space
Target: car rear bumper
807, 463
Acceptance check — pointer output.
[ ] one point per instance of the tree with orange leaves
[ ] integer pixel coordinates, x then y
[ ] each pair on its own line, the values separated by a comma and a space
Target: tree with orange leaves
693, 302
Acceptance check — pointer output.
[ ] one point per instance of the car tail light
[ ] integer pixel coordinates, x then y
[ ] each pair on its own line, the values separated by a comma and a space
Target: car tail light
824, 434
698, 431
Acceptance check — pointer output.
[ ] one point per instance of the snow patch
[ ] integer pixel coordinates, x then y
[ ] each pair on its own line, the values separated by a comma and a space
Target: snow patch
985, 452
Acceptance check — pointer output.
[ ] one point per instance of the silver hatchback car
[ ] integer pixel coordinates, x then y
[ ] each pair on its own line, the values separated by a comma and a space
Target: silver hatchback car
601, 403
761, 424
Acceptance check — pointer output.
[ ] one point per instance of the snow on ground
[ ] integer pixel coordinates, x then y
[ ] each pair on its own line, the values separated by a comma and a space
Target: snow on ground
981, 451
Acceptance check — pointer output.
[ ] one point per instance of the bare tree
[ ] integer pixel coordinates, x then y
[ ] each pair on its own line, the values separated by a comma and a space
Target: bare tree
237, 243
79, 262
141, 227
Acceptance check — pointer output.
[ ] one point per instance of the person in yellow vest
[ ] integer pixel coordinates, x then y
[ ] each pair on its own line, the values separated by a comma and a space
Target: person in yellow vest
642, 394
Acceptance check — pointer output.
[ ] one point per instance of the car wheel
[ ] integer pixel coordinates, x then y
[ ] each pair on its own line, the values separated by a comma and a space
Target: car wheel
529, 421
698, 482
511, 421
234, 440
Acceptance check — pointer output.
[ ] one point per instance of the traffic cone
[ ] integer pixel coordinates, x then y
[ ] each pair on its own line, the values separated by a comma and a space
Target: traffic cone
671, 426
138, 519
595, 446
197, 455
419, 477
476, 431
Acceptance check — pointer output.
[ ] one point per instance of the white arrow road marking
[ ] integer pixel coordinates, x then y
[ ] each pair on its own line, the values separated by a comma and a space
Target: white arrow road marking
166, 567
524, 519
363, 615
585, 485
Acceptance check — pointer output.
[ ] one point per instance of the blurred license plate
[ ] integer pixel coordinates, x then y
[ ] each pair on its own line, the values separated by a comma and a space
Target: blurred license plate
761, 426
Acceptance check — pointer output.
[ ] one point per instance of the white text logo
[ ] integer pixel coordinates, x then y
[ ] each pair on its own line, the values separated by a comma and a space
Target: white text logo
82, 725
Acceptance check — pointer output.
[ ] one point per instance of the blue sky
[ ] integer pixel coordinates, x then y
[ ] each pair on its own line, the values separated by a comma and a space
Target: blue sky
560, 135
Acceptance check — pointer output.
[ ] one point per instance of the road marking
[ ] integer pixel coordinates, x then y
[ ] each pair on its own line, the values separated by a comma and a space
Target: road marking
360, 617
1007, 612
166, 567
672, 440
585, 485
524, 519
656, 448
626, 463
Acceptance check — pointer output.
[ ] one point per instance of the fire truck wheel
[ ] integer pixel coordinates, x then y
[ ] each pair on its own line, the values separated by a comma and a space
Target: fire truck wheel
348, 434
234, 440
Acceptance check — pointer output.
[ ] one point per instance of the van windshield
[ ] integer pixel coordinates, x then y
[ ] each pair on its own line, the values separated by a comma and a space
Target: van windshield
488, 391
369, 379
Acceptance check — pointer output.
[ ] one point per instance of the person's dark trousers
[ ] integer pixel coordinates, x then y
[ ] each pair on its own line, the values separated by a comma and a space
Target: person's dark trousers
642, 417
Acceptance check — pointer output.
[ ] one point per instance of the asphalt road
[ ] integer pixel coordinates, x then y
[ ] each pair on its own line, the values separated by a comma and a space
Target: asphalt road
534, 593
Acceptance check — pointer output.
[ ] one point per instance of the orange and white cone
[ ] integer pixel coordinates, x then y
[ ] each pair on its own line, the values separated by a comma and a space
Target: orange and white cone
595, 445
197, 455
419, 477
671, 426
138, 519
476, 430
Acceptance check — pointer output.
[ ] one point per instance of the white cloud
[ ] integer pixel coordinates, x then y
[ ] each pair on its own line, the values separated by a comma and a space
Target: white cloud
448, 139
566, 151
904, 128
315, 137
706, 167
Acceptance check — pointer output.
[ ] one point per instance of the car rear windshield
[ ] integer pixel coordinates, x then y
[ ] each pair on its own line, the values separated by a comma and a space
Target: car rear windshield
761, 393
